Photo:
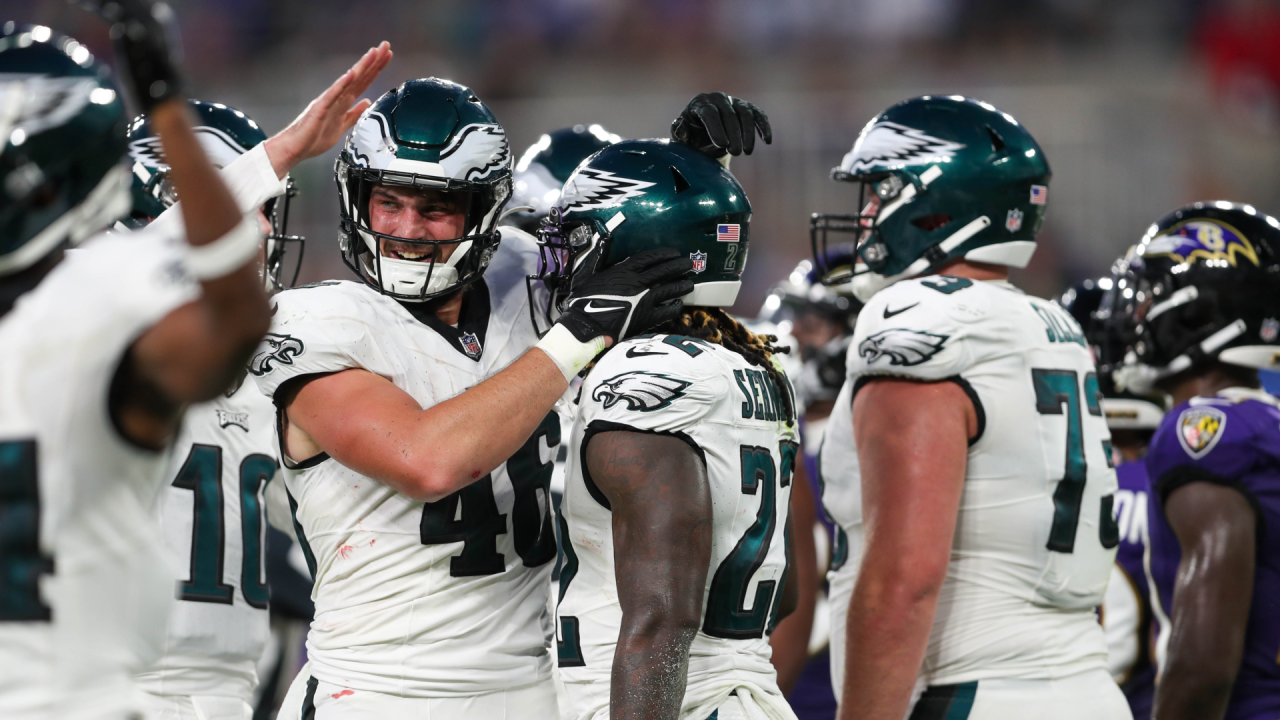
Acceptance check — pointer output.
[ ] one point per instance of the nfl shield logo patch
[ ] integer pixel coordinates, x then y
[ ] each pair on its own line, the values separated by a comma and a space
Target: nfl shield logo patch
471, 345
699, 261
1013, 221
1270, 330
1200, 428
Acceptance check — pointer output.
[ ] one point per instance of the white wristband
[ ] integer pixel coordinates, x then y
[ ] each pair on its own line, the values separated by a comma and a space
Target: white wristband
228, 253
567, 352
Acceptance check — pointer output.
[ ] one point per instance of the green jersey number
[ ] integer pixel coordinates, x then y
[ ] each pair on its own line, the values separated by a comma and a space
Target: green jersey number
21, 561
470, 516
1057, 393
727, 615
201, 473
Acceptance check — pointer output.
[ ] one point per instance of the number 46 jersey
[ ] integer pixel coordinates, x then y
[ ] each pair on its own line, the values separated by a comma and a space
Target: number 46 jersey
731, 413
1035, 538
422, 600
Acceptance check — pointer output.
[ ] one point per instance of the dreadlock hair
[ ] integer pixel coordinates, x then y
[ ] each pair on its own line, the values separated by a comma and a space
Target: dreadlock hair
714, 325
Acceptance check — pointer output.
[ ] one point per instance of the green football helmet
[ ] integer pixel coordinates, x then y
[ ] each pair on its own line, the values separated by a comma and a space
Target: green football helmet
427, 134
62, 122
225, 134
646, 194
543, 168
939, 178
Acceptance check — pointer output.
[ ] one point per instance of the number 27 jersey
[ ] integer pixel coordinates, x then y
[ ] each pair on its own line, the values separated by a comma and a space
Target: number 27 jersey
1035, 538
731, 414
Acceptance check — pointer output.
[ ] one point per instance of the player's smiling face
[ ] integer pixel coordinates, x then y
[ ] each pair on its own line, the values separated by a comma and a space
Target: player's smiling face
415, 215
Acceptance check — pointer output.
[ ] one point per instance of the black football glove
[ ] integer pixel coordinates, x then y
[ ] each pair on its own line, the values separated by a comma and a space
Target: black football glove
148, 47
715, 124
638, 293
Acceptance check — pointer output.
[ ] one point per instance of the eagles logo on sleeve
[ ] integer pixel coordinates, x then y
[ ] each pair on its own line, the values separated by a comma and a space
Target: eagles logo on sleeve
279, 349
642, 391
902, 346
1200, 429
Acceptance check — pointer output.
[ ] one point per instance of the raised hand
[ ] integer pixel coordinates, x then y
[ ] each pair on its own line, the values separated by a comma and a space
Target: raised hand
148, 46
715, 124
327, 118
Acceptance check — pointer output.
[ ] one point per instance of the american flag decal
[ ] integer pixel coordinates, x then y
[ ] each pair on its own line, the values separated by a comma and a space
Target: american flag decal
728, 233
1039, 194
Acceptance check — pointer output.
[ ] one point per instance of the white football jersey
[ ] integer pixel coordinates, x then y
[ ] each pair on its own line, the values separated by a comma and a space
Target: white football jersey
212, 513
731, 414
1035, 538
86, 576
443, 599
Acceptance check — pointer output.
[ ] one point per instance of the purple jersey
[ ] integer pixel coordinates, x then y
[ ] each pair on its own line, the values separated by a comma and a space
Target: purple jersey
1232, 438
1128, 606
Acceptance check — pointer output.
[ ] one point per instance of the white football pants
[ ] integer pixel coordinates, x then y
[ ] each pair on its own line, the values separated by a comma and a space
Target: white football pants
313, 699
197, 707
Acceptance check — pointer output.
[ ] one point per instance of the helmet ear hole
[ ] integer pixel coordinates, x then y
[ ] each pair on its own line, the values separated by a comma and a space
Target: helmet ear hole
997, 142
929, 223
681, 183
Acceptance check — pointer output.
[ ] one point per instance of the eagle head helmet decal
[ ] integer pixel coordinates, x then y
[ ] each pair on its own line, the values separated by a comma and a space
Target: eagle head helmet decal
902, 346
642, 391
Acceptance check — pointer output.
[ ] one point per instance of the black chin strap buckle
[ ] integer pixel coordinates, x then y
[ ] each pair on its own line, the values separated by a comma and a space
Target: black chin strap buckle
936, 256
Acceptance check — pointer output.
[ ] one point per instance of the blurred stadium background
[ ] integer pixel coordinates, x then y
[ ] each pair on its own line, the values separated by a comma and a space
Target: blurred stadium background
1141, 105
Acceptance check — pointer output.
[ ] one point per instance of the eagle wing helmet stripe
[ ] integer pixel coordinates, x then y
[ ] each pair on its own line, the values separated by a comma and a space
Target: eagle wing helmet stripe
592, 188
35, 103
642, 391
148, 151
891, 144
902, 346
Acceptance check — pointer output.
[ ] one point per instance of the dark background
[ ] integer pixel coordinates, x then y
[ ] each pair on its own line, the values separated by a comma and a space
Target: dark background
1141, 105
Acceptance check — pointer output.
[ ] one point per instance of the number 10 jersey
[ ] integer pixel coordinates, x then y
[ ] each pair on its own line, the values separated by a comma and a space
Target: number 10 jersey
1035, 538
431, 600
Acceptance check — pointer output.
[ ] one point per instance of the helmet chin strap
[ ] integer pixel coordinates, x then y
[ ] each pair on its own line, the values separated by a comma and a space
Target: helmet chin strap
407, 277
1140, 378
866, 283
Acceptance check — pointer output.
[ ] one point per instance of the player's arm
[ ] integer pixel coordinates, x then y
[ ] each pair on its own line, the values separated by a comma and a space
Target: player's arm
790, 640
912, 440
368, 424
192, 353
1215, 527
662, 521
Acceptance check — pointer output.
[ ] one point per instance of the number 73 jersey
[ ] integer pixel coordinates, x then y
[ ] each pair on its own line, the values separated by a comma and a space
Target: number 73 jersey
1035, 537
731, 414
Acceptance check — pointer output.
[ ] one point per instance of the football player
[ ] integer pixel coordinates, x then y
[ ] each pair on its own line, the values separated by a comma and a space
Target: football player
102, 351
1207, 284
213, 508
424, 508
545, 165
680, 462
1132, 420
818, 321
966, 459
